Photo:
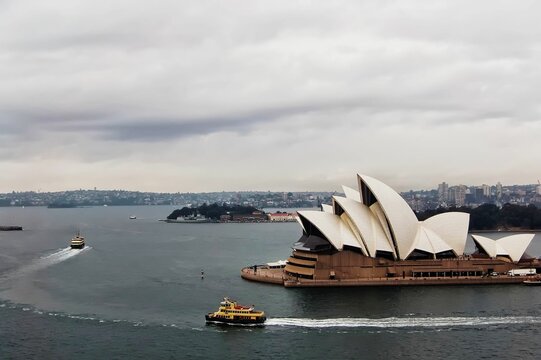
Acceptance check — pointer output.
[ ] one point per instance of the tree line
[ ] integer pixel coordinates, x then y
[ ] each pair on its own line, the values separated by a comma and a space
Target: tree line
491, 217
212, 211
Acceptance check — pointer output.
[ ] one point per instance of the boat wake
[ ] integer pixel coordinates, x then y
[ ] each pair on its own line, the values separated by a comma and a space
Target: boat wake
62, 255
403, 322
46, 261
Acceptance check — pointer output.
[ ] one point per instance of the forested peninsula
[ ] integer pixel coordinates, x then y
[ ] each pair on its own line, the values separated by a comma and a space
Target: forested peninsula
212, 211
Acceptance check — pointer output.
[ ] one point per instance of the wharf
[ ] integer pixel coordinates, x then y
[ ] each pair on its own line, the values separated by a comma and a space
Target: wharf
11, 228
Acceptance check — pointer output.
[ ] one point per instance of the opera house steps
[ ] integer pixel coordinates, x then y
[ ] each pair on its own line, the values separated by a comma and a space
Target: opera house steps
301, 262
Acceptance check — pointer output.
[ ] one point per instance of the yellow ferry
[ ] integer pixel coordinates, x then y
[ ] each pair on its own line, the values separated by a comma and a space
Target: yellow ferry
232, 313
78, 241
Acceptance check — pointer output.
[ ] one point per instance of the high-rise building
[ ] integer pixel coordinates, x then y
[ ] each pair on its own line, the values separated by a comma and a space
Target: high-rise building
499, 190
443, 193
461, 195
457, 195
479, 195
486, 190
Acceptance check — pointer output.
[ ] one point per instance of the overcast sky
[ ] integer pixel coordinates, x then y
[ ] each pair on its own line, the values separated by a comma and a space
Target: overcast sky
268, 95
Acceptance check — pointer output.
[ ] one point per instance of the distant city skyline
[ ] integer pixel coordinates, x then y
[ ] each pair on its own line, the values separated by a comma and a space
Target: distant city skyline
435, 187
281, 96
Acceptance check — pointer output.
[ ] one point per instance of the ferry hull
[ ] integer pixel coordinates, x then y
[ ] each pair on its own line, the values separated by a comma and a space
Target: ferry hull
213, 320
77, 246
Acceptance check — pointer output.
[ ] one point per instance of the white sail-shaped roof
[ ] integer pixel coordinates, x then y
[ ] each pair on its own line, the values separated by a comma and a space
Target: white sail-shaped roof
402, 221
423, 243
377, 219
367, 225
349, 222
513, 246
430, 242
299, 220
438, 244
351, 193
378, 214
327, 208
516, 245
451, 226
334, 229
489, 245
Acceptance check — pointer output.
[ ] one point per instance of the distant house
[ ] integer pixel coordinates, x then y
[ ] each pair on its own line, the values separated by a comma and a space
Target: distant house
281, 217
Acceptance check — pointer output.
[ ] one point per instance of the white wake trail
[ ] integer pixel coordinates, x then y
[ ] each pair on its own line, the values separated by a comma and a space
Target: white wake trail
46, 261
405, 322
61, 255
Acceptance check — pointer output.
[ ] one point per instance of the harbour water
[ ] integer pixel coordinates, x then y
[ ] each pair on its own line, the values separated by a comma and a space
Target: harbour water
136, 292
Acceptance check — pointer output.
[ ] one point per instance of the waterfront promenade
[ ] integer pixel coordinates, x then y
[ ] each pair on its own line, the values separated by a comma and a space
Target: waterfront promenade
277, 276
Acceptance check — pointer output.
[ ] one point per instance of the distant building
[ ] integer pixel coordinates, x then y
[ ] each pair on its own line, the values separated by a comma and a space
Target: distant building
443, 193
253, 217
457, 195
499, 191
486, 190
281, 217
479, 197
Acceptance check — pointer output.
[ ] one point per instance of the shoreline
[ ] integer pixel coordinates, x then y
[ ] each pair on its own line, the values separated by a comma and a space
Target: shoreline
226, 222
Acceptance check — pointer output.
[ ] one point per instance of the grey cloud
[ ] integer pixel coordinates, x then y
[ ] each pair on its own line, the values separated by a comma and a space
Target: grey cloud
163, 129
116, 126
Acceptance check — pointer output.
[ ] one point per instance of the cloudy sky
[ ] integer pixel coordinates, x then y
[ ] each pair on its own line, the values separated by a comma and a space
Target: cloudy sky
268, 95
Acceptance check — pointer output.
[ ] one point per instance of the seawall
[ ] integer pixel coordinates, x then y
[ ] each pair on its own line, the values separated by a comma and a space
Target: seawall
278, 277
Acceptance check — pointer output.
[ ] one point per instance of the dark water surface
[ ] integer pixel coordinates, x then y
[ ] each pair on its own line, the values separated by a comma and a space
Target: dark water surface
136, 293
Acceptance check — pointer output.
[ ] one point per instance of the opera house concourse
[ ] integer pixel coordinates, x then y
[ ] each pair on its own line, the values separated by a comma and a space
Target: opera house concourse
371, 237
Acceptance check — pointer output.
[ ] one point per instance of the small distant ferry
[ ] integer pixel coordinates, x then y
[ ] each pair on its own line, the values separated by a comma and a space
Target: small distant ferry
232, 313
78, 241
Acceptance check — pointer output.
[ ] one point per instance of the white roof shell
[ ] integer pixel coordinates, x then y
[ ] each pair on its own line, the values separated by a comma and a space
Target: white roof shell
298, 218
367, 225
371, 229
327, 208
334, 229
402, 221
516, 245
349, 222
378, 213
451, 226
428, 241
513, 246
351, 193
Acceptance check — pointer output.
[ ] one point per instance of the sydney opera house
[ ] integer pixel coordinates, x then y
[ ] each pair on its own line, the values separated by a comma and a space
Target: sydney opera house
372, 237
